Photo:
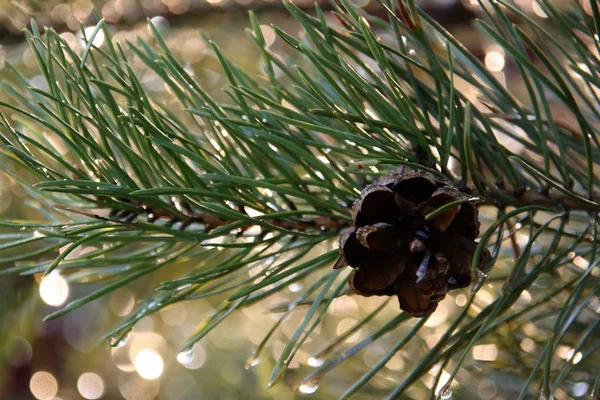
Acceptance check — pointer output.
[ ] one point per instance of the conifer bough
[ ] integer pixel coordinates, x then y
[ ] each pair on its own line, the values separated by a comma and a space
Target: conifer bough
263, 183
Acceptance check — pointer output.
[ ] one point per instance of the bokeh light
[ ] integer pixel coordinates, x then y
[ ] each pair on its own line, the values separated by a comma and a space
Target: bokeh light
18, 351
121, 302
485, 352
181, 386
88, 34
132, 387
396, 363
149, 364
112, 11
438, 317
580, 389
461, 300
139, 341
174, 315
90, 386
43, 385
269, 34
494, 58
120, 356
487, 389
538, 10
54, 289
528, 345
346, 324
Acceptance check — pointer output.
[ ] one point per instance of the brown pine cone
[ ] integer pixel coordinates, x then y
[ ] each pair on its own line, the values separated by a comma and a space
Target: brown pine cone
395, 251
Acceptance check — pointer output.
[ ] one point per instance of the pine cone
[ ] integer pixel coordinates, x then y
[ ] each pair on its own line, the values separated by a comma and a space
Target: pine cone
395, 251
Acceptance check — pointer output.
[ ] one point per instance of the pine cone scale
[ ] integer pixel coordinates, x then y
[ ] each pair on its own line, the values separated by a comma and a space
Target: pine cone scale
378, 277
380, 237
376, 204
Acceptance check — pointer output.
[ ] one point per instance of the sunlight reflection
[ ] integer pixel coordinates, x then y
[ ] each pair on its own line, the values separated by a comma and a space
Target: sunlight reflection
494, 59
194, 359
54, 289
149, 364
485, 352
132, 387
90, 386
43, 385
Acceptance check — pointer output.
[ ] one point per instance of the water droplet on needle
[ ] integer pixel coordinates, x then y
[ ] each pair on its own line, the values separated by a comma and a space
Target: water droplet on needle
315, 362
309, 387
186, 356
253, 360
120, 339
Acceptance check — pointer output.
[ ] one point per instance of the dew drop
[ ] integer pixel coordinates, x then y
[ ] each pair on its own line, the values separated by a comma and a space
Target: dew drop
186, 356
315, 362
119, 340
543, 396
295, 287
480, 278
309, 387
245, 118
252, 361
155, 303
264, 120
445, 393
38, 235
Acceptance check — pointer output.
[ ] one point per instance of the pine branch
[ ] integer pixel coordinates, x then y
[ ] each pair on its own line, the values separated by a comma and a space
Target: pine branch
211, 221
555, 199
248, 184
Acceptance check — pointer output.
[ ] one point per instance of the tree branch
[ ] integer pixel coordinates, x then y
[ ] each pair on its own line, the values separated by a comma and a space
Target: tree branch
546, 198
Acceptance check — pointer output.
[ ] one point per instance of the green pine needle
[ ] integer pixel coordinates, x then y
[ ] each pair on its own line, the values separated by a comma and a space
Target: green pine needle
265, 180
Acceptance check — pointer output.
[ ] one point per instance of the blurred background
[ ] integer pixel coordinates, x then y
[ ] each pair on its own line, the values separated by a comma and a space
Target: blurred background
63, 359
